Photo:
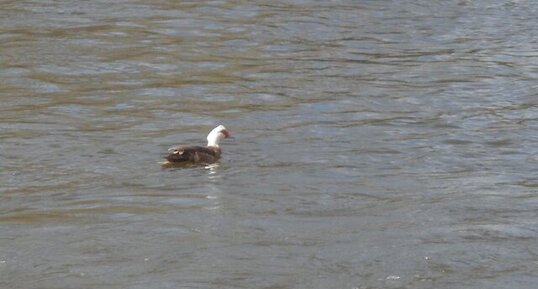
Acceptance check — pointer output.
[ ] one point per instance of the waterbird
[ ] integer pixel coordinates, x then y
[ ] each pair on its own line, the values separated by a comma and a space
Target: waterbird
198, 154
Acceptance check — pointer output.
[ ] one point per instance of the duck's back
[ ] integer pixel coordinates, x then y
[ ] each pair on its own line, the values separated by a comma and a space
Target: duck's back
193, 154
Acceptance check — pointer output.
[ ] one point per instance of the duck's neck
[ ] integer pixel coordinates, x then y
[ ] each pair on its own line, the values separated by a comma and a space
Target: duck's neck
213, 143
213, 139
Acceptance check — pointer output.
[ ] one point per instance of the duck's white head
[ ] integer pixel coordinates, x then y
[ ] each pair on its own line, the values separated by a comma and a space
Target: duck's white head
216, 135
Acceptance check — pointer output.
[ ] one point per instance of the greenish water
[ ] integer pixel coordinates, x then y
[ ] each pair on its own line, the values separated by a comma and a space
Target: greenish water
377, 144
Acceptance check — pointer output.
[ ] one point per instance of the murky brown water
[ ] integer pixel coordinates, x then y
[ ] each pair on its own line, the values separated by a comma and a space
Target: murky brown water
377, 144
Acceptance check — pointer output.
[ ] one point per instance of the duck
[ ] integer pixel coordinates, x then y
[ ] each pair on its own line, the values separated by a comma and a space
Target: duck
198, 154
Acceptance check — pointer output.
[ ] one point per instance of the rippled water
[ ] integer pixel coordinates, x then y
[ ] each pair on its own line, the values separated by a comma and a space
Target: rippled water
377, 144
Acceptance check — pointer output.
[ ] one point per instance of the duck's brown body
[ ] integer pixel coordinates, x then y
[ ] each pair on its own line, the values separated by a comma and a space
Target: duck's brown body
193, 154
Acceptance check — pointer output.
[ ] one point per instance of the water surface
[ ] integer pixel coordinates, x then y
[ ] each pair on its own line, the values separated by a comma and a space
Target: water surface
377, 144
